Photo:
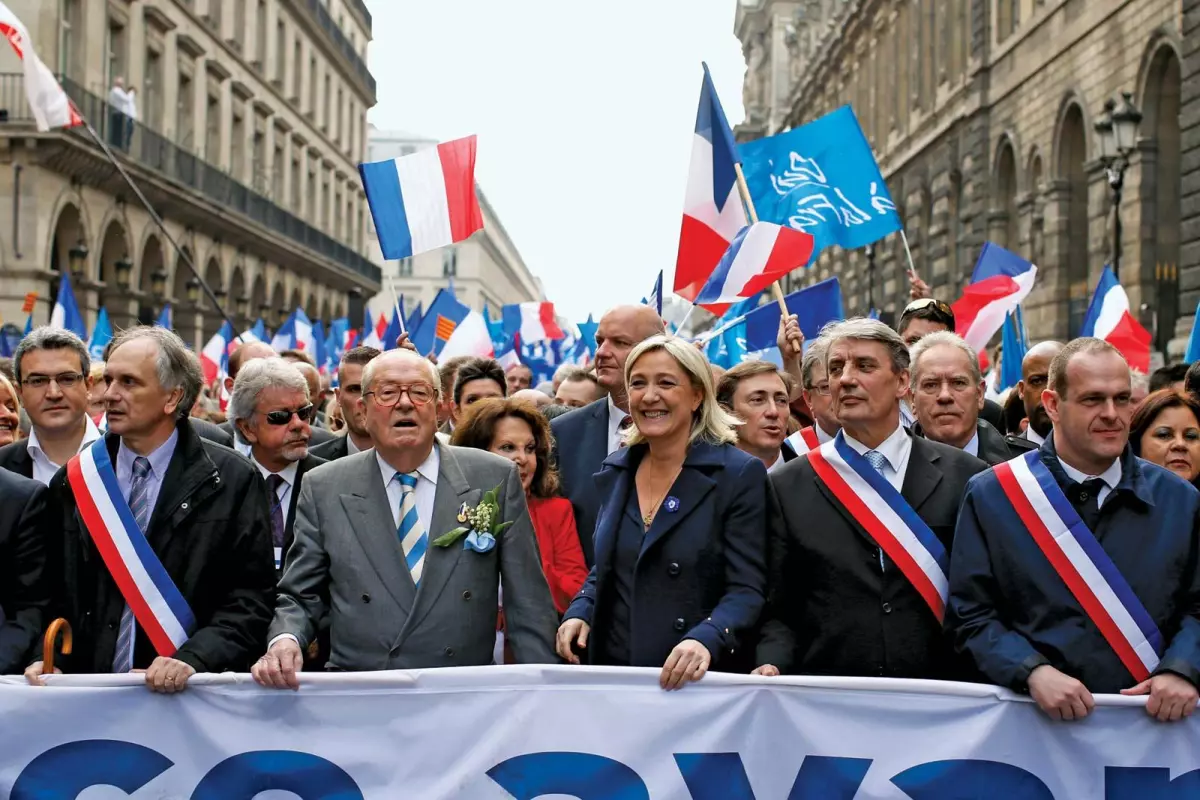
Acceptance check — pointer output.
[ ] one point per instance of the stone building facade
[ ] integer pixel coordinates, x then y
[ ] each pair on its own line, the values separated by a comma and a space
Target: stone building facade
486, 269
981, 116
250, 121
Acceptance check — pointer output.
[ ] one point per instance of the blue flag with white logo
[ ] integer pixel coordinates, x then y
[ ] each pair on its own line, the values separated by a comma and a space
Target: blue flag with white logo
821, 178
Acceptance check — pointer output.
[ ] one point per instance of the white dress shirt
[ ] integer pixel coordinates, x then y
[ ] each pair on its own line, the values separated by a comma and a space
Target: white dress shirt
907, 417
1110, 476
896, 449
1034, 436
972, 446
43, 468
283, 494
242, 447
822, 436
160, 460
427, 476
615, 415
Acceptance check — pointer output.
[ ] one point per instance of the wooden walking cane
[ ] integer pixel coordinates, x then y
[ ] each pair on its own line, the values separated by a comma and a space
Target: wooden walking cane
51, 639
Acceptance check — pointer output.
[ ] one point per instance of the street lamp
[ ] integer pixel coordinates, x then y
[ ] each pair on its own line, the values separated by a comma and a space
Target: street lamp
193, 291
77, 259
123, 267
1116, 131
241, 305
870, 278
158, 283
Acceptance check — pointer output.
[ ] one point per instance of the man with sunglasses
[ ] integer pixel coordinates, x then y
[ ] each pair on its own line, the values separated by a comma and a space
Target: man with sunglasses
347, 395
52, 369
390, 545
273, 413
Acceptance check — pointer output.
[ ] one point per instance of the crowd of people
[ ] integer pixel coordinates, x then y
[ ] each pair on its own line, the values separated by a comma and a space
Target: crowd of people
865, 510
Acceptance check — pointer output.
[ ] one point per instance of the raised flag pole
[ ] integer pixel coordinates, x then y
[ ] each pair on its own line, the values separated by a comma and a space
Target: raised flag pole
912, 268
399, 310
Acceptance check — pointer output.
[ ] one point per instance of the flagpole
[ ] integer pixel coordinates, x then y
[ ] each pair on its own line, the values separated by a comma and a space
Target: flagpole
399, 311
179, 251
912, 269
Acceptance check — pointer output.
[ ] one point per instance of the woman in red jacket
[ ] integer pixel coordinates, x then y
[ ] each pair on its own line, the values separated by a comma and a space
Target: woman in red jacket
516, 430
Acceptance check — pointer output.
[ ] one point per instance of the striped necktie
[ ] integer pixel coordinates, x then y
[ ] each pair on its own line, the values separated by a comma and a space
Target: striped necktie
412, 533
139, 504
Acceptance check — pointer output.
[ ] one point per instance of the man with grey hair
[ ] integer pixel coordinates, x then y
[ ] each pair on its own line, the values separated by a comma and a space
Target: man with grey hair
52, 374
271, 410
815, 387
863, 530
197, 510
947, 396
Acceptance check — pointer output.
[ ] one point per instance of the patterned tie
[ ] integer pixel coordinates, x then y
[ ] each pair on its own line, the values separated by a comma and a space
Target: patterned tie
876, 459
139, 505
273, 483
412, 533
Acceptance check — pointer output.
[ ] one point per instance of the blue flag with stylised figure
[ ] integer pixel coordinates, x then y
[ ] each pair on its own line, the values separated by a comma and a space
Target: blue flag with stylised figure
822, 179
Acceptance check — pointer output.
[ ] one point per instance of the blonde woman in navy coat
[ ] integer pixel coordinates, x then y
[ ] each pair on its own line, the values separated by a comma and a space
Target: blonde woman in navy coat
680, 574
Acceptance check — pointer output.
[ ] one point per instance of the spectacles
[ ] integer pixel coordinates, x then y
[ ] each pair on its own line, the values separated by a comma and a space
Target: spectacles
419, 393
926, 302
821, 389
283, 416
65, 380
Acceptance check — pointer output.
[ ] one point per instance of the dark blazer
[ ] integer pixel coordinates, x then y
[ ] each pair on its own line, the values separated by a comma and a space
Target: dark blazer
701, 572
584, 432
994, 447
332, 450
23, 595
319, 435
1010, 611
210, 528
15, 457
992, 414
832, 609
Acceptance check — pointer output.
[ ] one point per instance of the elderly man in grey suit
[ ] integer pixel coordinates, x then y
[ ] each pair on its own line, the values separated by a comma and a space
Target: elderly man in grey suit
366, 548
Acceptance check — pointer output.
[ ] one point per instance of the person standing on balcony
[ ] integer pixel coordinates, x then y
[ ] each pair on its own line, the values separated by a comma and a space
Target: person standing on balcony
131, 115
118, 113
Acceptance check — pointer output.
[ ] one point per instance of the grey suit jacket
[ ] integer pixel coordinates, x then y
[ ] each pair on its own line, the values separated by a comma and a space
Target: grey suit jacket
346, 561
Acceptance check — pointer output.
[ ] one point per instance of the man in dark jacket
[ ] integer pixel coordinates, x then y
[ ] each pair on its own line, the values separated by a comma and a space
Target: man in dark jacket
947, 396
348, 396
201, 509
23, 595
1075, 567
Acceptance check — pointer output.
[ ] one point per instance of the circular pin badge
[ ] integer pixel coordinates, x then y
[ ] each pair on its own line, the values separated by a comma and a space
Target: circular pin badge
672, 504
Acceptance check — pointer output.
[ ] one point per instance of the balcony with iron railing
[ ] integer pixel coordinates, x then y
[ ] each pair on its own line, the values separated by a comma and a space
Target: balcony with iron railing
326, 23
155, 152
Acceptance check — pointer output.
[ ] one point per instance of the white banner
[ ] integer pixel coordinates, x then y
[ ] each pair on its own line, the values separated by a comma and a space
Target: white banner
593, 734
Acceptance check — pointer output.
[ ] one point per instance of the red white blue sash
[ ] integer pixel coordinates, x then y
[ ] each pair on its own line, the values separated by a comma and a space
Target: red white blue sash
804, 440
1081, 562
156, 602
887, 518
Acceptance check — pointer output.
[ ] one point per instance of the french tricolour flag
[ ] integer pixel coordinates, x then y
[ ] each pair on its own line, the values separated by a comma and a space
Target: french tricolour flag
50, 105
373, 332
533, 321
215, 355
295, 334
425, 200
1000, 282
760, 255
713, 214
1108, 318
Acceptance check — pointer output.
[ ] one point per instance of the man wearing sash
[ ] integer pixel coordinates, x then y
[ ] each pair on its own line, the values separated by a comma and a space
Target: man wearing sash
163, 539
815, 387
862, 529
1075, 566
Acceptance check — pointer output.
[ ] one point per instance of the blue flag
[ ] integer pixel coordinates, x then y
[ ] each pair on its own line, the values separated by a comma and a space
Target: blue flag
164, 319
66, 311
414, 319
29, 324
393, 331
822, 179
815, 306
587, 334
439, 322
102, 334
1012, 351
10, 337
656, 298
1193, 348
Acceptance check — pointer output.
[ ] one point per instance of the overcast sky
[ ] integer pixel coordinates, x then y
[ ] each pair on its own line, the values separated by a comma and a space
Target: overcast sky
584, 113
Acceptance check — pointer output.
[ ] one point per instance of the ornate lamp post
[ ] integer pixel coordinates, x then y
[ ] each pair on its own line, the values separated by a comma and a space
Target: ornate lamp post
1117, 135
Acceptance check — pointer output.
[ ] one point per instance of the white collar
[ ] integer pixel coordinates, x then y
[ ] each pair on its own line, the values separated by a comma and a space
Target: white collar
351, 447
427, 469
892, 448
615, 414
972, 446
1034, 436
90, 434
1110, 476
822, 436
288, 473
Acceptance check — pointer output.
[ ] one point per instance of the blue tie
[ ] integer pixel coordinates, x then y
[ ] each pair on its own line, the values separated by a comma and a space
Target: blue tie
412, 533
877, 460
139, 492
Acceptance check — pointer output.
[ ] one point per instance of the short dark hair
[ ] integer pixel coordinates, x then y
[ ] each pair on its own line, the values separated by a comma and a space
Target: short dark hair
577, 374
1154, 404
728, 383
298, 355
927, 308
357, 356
1057, 380
1163, 377
48, 338
478, 428
477, 369
447, 370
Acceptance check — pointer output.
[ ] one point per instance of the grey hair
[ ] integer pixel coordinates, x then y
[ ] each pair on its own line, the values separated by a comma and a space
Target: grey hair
871, 330
929, 341
257, 375
711, 422
817, 351
368, 376
176, 365
47, 338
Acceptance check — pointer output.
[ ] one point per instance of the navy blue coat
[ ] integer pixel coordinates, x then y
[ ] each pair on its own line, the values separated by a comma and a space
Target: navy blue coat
702, 571
1010, 612
581, 445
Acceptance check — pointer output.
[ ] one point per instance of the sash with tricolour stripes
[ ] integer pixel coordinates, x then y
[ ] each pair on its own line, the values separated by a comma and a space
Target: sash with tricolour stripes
156, 602
804, 440
887, 518
1081, 562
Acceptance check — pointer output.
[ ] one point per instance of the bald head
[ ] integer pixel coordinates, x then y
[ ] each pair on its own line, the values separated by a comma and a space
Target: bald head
248, 352
620, 329
538, 399
1042, 352
315, 391
1035, 376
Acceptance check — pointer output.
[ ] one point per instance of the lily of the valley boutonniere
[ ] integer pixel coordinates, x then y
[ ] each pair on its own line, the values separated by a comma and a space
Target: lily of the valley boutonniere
480, 525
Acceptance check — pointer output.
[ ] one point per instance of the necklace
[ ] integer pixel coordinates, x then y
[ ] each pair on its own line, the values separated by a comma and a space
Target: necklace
648, 517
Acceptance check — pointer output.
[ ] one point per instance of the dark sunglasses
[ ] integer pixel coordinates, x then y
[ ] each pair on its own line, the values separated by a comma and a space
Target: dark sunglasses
283, 416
